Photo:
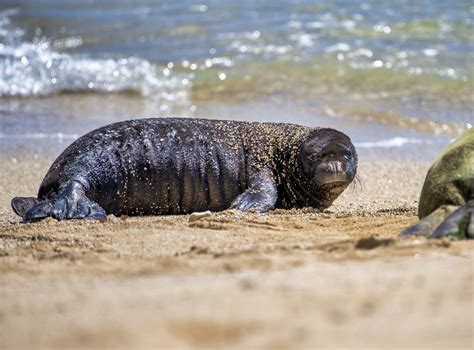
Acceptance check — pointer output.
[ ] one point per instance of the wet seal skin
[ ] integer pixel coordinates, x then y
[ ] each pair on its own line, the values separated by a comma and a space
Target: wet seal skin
446, 206
163, 166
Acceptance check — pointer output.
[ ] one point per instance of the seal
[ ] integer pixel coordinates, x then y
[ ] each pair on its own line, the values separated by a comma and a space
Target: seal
446, 206
162, 166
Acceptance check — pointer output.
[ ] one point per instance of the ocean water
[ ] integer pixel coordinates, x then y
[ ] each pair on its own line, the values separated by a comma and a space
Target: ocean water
397, 76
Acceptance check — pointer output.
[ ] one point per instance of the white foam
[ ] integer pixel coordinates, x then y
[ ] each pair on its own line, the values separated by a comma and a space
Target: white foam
338, 47
36, 68
305, 40
391, 142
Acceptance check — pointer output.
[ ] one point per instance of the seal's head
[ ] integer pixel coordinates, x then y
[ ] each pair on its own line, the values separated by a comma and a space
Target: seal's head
328, 161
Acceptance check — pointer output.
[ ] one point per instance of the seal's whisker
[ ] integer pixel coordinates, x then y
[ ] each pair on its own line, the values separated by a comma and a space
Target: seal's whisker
356, 183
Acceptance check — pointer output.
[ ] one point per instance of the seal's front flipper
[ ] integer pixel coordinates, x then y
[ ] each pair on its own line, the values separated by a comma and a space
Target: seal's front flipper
21, 205
428, 224
459, 224
69, 203
260, 197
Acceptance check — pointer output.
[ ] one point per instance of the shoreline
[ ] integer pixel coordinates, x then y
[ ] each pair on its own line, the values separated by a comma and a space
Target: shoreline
46, 125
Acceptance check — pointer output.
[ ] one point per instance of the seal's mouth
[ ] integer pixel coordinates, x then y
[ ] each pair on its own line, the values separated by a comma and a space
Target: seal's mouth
333, 180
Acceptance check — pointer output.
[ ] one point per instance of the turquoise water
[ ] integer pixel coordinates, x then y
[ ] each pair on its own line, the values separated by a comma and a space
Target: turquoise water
394, 75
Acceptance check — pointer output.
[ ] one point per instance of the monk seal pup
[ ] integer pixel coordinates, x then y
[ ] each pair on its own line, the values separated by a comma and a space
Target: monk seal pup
162, 166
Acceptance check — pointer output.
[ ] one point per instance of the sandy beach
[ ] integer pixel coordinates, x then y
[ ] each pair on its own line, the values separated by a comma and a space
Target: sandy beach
395, 76
287, 279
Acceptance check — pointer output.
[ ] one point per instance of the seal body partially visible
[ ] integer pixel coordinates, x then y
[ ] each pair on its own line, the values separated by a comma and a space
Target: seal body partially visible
178, 166
450, 179
446, 205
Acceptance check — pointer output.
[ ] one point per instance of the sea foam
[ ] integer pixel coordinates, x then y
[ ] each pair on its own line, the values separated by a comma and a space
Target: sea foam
29, 68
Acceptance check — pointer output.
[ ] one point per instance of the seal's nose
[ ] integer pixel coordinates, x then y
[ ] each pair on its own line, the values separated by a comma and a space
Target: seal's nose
334, 167
335, 171
330, 167
331, 172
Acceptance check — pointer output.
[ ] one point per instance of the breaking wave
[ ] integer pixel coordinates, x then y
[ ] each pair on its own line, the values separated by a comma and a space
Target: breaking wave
35, 68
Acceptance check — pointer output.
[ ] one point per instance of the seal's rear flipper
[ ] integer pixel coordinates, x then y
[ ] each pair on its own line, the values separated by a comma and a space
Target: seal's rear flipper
69, 203
21, 205
66, 208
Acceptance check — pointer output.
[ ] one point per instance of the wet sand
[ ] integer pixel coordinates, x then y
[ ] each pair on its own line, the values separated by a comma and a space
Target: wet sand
285, 280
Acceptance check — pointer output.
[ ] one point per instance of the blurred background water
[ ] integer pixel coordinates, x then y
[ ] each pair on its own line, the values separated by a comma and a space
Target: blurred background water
395, 75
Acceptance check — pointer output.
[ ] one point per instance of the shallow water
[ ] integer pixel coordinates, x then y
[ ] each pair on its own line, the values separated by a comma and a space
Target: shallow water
395, 75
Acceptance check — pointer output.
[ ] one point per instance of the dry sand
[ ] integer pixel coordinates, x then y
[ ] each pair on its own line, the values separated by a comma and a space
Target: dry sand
285, 280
